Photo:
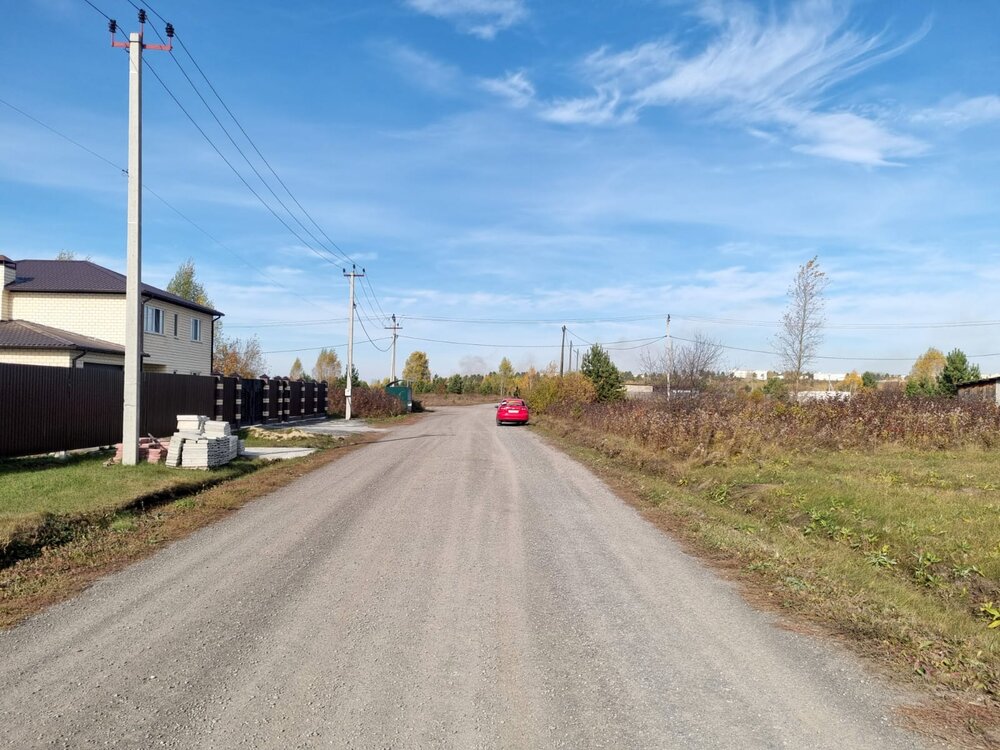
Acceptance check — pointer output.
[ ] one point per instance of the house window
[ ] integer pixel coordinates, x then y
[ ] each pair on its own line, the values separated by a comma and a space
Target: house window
153, 317
195, 329
175, 325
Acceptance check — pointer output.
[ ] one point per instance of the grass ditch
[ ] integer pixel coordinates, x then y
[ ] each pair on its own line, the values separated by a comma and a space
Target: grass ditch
90, 545
894, 551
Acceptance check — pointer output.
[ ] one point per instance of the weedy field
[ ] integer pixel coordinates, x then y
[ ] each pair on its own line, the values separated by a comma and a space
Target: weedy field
877, 517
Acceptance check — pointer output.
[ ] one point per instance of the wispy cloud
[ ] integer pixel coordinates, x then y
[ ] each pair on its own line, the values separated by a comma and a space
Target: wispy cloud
515, 87
423, 70
961, 113
482, 18
764, 73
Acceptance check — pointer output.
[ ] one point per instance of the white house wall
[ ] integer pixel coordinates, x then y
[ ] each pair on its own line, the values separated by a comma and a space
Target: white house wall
44, 357
102, 316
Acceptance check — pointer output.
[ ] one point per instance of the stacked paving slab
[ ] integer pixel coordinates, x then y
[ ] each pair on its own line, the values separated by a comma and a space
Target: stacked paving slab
201, 443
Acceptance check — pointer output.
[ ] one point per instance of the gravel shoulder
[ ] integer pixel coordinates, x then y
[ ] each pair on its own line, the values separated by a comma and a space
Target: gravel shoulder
453, 584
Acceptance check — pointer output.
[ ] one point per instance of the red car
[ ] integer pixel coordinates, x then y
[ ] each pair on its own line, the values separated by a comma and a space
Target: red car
512, 411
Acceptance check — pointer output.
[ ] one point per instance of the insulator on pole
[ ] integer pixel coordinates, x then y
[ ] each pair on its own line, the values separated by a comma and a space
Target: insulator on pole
170, 31
142, 15
112, 26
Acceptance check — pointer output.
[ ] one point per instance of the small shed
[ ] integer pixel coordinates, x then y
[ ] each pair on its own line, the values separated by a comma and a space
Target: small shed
987, 389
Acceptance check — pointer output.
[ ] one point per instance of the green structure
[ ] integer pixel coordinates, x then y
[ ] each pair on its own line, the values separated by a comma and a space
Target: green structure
404, 393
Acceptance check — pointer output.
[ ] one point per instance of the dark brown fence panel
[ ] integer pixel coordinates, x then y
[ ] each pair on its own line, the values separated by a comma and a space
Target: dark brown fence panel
253, 401
295, 410
44, 409
309, 399
165, 396
273, 395
229, 386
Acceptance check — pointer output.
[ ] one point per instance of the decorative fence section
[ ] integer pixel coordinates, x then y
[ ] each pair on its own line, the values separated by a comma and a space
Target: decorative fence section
165, 396
48, 409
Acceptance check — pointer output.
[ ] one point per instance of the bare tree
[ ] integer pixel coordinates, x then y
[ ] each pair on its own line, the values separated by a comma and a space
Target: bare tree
694, 363
801, 329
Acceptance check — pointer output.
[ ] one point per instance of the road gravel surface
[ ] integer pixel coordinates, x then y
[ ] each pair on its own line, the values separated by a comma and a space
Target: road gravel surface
454, 585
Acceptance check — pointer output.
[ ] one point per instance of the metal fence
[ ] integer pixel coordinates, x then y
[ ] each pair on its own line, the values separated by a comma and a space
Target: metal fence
47, 409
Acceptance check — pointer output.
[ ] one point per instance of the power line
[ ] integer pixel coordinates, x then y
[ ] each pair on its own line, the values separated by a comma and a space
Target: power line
106, 16
236, 171
165, 202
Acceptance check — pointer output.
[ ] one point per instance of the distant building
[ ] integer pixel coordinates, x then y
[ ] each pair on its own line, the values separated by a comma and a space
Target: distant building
637, 391
749, 374
987, 389
829, 377
822, 395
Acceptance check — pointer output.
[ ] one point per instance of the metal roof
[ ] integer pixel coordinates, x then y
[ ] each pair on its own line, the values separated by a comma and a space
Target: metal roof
23, 334
85, 277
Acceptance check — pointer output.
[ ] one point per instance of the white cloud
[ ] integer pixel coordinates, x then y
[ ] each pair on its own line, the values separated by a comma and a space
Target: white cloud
424, 70
849, 137
515, 87
765, 72
482, 18
962, 113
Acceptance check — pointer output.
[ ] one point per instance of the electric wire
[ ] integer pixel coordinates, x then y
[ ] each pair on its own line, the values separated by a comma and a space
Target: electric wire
169, 205
235, 171
106, 16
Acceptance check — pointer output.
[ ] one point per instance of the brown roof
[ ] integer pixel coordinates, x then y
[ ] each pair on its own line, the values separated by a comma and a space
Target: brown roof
22, 334
83, 276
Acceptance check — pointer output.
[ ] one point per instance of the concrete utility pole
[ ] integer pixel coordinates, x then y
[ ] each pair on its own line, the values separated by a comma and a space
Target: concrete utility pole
395, 328
350, 342
132, 396
578, 360
571, 355
562, 352
670, 357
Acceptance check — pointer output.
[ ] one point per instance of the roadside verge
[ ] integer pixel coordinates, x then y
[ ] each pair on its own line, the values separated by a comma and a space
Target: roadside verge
91, 547
793, 531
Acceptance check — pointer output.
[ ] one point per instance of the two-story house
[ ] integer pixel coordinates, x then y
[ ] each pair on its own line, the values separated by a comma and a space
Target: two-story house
71, 313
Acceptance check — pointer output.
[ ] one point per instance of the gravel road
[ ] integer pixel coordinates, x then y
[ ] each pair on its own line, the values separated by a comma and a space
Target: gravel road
454, 585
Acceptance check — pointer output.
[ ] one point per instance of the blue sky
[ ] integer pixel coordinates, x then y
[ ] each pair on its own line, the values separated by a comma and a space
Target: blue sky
600, 162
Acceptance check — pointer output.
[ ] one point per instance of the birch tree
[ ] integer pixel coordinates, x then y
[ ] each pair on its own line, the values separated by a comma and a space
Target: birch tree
801, 330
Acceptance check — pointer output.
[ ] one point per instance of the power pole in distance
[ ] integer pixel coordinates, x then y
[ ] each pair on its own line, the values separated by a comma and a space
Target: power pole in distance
570, 368
562, 352
670, 363
395, 328
350, 342
133, 279
578, 359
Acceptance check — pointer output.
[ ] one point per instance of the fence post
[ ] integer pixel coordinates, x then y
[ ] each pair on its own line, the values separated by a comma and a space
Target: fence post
219, 398
323, 387
267, 398
283, 398
239, 400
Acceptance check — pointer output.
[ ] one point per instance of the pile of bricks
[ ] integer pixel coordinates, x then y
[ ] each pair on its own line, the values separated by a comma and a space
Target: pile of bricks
201, 443
151, 451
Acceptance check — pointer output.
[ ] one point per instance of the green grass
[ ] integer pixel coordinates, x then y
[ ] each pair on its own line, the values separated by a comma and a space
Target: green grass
34, 491
899, 549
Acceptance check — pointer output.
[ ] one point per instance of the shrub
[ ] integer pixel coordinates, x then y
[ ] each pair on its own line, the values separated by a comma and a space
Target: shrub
371, 403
